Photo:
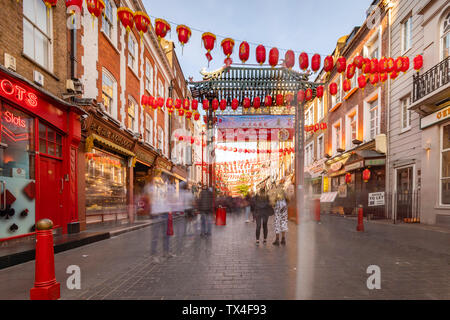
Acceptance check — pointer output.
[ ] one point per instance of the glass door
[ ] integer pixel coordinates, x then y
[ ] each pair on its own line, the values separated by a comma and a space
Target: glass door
404, 192
17, 176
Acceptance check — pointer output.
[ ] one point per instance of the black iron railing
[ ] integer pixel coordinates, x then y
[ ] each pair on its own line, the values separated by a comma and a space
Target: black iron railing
431, 80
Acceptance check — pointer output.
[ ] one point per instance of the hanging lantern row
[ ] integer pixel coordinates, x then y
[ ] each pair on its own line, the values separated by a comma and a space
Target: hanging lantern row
257, 151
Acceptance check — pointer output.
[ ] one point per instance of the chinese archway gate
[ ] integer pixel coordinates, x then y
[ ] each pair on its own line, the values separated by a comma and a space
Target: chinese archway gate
255, 92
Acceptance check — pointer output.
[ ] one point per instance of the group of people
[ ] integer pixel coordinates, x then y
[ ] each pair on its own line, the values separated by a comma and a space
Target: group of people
265, 204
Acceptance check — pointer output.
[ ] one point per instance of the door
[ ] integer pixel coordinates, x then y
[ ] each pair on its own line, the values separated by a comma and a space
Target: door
404, 194
51, 190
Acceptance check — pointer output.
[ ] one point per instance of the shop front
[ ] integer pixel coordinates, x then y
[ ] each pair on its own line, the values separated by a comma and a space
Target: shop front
108, 173
162, 176
39, 138
142, 173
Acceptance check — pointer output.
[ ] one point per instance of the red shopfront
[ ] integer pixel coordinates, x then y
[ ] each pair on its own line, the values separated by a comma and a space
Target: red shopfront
39, 138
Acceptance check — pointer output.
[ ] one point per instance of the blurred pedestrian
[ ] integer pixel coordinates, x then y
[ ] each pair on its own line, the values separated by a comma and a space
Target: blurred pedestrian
263, 210
205, 207
247, 207
281, 216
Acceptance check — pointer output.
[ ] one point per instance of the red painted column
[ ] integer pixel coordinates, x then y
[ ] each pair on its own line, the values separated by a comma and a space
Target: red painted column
45, 285
360, 226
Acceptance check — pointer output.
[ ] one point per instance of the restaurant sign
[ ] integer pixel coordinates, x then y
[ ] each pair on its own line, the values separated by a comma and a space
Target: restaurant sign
354, 166
435, 117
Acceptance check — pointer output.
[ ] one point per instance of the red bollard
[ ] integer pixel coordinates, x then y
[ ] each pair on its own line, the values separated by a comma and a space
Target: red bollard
221, 216
45, 285
360, 226
317, 210
169, 224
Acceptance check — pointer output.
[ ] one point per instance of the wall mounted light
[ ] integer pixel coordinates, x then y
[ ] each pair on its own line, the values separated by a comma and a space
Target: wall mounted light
427, 146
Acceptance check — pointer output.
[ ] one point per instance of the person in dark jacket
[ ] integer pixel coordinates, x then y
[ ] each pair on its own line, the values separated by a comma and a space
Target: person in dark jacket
205, 207
262, 211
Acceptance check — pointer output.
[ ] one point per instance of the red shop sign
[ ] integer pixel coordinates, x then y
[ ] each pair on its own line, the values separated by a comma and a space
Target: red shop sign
10, 90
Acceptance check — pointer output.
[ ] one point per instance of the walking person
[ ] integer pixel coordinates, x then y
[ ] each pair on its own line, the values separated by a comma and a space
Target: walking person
247, 207
263, 210
205, 206
281, 216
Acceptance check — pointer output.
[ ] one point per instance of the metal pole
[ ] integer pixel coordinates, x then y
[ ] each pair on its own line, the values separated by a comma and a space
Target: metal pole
203, 134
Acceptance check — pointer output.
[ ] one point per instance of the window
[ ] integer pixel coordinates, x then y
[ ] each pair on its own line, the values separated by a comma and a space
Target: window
372, 48
338, 97
405, 113
160, 89
109, 89
50, 142
132, 52
160, 139
445, 164
445, 37
148, 129
352, 128
374, 127
320, 147
108, 19
148, 76
132, 114
320, 109
309, 154
407, 34
336, 136
37, 32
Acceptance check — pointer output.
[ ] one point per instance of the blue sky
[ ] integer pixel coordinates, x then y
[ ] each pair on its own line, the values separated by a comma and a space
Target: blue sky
301, 25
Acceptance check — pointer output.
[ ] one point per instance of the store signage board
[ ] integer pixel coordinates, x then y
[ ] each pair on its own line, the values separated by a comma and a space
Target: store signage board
354, 166
435, 117
376, 199
375, 162
337, 166
11, 90
328, 196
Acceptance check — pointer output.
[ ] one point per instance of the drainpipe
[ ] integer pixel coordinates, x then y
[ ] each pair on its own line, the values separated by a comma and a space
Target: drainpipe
73, 53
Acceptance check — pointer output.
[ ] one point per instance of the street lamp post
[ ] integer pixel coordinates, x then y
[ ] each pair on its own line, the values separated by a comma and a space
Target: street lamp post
299, 158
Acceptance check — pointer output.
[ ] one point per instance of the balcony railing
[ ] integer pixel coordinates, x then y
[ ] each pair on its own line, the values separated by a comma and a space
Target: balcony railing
430, 81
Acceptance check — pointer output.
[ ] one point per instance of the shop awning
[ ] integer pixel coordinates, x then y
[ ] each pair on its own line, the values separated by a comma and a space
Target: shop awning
112, 145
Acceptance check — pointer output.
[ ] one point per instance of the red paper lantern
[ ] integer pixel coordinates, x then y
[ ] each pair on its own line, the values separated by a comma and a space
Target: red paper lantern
181, 112
367, 66
161, 28
75, 3
194, 105
184, 33
246, 103
223, 104
160, 102
144, 100
394, 75
346, 85
234, 104
341, 64
303, 61
315, 62
268, 101
273, 57
186, 104
50, 3
362, 81
244, 51
289, 59
260, 54
382, 65
169, 103
333, 88
177, 104
383, 77
95, 7
319, 92
308, 94
405, 64
126, 17
142, 21
374, 78
256, 102
328, 64
390, 64
289, 97
418, 62
205, 104
300, 96
366, 175
170, 110
208, 41
374, 65
398, 66
227, 46
351, 68
358, 62
215, 104
196, 116
279, 99
348, 177
188, 114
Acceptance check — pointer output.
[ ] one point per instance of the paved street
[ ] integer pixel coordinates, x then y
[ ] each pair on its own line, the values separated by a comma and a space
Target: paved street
321, 261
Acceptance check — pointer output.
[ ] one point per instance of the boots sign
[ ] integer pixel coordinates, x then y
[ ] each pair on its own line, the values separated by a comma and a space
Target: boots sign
10, 90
